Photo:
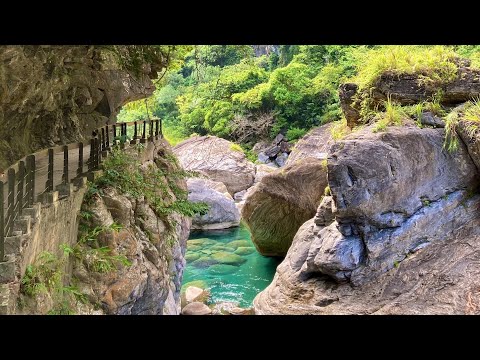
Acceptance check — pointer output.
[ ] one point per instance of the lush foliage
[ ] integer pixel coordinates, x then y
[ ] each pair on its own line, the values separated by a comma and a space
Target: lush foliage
123, 171
46, 276
220, 88
435, 64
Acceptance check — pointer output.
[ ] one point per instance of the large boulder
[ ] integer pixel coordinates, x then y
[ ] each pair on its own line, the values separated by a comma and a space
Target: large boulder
275, 207
222, 213
196, 308
314, 144
262, 170
218, 159
378, 180
401, 220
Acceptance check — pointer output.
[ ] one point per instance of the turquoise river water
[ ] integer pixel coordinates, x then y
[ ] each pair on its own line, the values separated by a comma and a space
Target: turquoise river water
227, 263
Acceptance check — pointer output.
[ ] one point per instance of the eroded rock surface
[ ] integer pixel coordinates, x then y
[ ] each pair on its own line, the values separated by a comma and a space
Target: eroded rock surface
52, 95
400, 204
222, 213
315, 143
275, 207
155, 245
218, 159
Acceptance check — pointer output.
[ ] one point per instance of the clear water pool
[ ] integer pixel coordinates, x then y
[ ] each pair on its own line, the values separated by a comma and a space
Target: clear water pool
228, 264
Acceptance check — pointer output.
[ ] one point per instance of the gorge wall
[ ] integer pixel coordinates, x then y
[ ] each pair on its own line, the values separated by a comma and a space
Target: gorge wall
117, 224
51, 95
397, 230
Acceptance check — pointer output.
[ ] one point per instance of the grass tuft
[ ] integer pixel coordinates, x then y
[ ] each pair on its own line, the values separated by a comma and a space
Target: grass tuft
339, 129
393, 115
435, 65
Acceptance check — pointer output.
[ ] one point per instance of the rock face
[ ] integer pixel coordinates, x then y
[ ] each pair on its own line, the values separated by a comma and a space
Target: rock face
222, 213
276, 207
350, 109
54, 95
398, 226
406, 89
282, 200
218, 159
274, 154
315, 143
154, 244
261, 171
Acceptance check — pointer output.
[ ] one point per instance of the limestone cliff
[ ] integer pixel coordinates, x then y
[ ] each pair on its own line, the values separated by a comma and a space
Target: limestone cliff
399, 233
128, 255
154, 243
52, 95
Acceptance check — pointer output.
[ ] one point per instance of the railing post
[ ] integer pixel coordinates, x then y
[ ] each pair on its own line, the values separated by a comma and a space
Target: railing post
30, 179
91, 160
135, 131
114, 134
102, 140
150, 137
2, 222
98, 153
160, 126
20, 186
11, 201
80, 159
65, 165
107, 138
49, 184
156, 129
144, 130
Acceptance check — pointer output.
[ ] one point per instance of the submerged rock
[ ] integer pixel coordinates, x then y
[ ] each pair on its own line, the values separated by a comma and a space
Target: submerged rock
201, 242
228, 258
218, 159
237, 243
194, 247
204, 262
191, 256
219, 247
243, 250
222, 269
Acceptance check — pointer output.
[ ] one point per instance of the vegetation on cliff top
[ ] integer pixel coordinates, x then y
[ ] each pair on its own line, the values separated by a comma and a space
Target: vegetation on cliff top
220, 88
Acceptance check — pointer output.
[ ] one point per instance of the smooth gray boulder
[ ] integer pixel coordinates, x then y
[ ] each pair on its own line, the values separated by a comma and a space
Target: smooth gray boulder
315, 143
219, 159
281, 202
222, 213
402, 222
378, 180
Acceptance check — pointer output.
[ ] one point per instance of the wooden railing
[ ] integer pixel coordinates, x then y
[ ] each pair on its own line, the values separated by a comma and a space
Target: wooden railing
39, 173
